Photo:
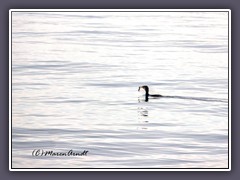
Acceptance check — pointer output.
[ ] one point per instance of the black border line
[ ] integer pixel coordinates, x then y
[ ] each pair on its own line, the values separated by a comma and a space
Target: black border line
228, 92
133, 169
118, 11
11, 92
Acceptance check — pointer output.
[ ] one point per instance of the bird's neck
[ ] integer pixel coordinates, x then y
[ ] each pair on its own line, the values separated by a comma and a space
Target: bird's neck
147, 94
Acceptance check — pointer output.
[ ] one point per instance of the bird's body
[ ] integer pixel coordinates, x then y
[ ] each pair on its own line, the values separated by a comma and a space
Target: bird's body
147, 93
155, 95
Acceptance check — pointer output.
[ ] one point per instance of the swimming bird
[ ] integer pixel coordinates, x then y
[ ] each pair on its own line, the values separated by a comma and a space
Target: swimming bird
147, 93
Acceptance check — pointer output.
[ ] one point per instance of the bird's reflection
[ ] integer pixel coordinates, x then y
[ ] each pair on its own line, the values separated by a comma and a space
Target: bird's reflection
142, 112
142, 115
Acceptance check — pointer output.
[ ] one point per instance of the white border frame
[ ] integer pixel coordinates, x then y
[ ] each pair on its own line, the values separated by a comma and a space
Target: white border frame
120, 10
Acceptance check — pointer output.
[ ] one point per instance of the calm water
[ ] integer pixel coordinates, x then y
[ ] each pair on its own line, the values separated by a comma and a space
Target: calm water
75, 77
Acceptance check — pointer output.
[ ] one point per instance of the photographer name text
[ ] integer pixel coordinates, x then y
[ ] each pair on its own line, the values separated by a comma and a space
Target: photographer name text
41, 152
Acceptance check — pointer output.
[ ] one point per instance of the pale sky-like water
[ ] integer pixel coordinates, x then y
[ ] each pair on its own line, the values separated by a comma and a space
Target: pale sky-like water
75, 77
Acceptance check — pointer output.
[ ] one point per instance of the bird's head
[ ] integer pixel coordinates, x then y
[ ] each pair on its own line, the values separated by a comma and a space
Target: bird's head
145, 88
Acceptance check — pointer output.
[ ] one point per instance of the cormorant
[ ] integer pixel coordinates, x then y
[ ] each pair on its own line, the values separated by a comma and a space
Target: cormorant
147, 93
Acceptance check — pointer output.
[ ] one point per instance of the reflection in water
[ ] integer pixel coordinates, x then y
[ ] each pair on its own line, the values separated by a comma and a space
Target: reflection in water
142, 115
142, 112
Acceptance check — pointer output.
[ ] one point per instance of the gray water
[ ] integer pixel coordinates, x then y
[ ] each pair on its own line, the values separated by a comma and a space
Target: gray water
75, 77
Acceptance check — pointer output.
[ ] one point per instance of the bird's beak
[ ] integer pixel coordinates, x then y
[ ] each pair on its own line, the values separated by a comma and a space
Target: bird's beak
139, 88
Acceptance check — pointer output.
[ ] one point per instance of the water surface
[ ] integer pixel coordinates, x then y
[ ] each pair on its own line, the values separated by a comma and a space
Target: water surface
75, 77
